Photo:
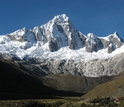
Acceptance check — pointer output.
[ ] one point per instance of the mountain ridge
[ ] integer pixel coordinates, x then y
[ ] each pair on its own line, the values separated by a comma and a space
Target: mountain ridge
59, 39
58, 47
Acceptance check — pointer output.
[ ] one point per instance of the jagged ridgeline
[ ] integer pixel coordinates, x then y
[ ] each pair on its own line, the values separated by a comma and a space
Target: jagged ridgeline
60, 32
58, 47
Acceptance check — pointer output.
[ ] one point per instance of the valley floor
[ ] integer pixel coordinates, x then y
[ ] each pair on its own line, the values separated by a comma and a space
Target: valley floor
62, 102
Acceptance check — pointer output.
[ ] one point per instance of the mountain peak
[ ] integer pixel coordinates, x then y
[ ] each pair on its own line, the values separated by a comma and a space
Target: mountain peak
62, 17
90, 35
116, 35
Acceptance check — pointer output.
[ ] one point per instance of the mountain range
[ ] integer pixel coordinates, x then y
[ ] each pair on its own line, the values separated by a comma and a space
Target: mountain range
58, 47
59, 39
54, 54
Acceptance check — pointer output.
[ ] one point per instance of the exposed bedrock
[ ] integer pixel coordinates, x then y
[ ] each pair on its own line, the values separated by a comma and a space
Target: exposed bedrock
93, 68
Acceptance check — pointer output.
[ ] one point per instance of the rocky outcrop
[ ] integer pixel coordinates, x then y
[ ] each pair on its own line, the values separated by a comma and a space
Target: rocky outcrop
93, 43
93, 68
112, 42
53, 45
39, 35
116, 40
110, 48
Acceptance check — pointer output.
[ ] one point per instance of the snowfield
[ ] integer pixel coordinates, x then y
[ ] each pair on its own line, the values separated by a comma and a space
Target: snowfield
40, 51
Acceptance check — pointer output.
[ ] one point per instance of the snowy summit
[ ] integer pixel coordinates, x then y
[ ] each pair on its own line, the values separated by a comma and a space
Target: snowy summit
59, 39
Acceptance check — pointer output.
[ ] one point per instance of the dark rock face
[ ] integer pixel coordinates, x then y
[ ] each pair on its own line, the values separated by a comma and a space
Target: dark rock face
17, 36
72, 43
53, 45
13, 38
60, 29
93, 43
82, 39
110, 48
105, 43
91, 48
39, 35
117, 42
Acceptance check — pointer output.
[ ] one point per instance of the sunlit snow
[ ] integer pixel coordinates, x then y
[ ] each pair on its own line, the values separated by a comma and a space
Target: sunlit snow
42, 51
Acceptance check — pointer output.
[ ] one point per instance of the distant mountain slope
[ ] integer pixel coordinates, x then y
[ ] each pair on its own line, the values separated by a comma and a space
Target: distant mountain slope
114, 88
68, 82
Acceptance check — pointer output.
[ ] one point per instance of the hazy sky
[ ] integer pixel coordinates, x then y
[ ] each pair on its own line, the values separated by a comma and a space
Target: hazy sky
101, 17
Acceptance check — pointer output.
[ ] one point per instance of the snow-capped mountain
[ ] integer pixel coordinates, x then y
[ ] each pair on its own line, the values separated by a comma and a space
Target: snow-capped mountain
58, 47
59, 39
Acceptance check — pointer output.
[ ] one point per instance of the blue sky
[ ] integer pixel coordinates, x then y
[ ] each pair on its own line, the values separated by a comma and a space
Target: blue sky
101, 17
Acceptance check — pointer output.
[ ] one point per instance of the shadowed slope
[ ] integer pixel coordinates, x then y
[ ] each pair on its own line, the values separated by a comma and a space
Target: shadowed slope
16, 83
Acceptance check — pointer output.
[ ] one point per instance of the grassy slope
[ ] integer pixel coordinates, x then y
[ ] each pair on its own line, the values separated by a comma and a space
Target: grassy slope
114, 88
68, 82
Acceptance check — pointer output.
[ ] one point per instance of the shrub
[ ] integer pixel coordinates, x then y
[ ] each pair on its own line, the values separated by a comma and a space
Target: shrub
57, 104
83, 105
107, 102
34, 104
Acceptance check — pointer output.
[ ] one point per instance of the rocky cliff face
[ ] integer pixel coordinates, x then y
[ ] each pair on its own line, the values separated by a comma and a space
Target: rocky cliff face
92, 68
